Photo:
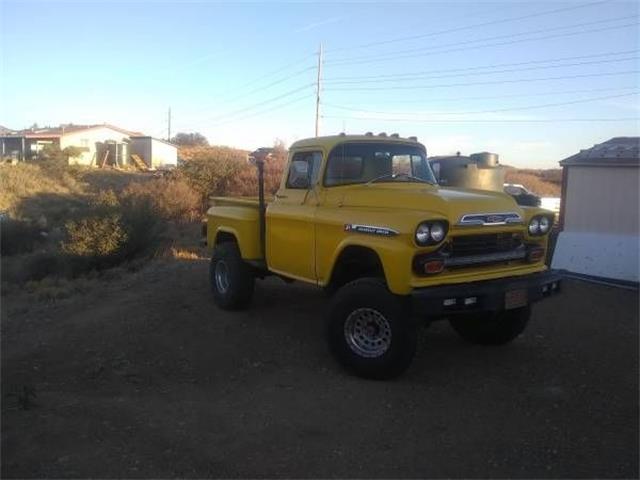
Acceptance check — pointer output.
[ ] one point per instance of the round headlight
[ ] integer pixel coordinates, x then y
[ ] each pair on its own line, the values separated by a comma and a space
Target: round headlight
534, 226
545, 224
437, 232
422, 234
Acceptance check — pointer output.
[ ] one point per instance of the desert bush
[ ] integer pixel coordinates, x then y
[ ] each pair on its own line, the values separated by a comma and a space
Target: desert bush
117, 231
245, 183
173, 199
211, 170
144, 226
105, 199
95, 236
219, 171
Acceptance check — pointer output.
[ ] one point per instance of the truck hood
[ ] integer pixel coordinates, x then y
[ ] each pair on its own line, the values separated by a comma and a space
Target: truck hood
451, 203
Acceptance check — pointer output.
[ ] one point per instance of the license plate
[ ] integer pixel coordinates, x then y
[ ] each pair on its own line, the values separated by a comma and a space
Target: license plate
515, 299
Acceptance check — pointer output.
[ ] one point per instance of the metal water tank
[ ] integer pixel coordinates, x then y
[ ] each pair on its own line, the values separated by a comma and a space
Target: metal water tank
480, 171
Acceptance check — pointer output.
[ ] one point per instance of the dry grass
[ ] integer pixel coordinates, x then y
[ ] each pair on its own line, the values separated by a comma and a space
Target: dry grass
545, 183
173, 199
184, 254
24, 181
62, 224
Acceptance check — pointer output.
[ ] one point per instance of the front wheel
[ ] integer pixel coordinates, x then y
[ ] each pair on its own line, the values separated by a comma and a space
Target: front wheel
492, 328
370, 330
232, 279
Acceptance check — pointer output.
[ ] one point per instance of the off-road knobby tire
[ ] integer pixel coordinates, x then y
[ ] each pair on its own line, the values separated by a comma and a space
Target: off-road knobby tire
492, 328
240, 274
372, 293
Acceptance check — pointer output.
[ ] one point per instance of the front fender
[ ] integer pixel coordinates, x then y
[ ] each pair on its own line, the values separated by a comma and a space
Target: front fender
395, 258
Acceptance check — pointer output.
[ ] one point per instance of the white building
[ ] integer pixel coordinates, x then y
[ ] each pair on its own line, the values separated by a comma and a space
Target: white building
600, 213
154, 152
99, 145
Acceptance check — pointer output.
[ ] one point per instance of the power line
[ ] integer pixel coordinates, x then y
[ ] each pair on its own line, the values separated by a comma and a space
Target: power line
259, 113
473, 73
468, 27
277, 70
489, 82
496, 110
538, 120
474, 47
464, 69
257, 90
252, 107
413, 101
497, 37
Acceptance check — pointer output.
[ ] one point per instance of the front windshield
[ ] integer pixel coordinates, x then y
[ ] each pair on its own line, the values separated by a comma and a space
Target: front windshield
351, 163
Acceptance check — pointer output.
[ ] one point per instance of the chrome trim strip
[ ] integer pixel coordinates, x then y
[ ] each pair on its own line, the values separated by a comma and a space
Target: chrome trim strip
516, 254
476, 219
370, 229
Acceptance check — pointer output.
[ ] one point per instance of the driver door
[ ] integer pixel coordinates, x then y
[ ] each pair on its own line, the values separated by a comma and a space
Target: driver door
290, 220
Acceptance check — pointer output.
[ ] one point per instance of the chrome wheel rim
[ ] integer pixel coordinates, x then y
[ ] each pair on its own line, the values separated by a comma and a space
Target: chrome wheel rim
222, 276
367, 332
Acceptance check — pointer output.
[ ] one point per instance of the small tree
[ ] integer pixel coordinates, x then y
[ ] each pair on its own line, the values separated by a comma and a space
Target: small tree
190, 139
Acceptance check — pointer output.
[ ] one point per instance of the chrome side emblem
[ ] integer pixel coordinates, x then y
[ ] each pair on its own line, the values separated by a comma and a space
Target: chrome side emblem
370, 229
490, 219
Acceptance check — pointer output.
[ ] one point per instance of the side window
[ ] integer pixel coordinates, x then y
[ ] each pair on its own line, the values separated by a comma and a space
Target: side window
304, 170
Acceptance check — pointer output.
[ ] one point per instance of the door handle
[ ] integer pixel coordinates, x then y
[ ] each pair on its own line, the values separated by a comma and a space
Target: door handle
281, 196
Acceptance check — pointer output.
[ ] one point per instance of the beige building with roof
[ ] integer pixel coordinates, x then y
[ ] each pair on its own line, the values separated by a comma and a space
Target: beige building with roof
99, 145
600, 211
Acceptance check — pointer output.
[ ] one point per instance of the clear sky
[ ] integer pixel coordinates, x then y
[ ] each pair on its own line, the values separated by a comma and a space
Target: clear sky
532, 81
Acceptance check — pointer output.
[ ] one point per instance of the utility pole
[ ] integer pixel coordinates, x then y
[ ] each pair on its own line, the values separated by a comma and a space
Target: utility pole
169, 125
318, 86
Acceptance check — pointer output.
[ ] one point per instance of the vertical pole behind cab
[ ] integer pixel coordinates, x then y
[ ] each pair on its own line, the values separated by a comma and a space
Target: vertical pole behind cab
261, 206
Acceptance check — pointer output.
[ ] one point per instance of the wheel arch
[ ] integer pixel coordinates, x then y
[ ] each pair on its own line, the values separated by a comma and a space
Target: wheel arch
354, 261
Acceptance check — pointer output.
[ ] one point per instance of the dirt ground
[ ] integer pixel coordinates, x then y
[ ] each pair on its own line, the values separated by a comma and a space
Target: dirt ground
145, 377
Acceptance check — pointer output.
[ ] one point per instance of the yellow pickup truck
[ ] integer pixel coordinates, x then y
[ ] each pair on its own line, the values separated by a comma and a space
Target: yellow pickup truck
363, 217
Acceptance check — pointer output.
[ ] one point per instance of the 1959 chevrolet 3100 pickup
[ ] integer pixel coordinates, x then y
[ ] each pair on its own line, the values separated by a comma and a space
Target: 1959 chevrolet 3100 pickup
363, 217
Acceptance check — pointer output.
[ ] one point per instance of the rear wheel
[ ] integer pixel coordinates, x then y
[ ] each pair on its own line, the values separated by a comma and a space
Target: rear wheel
492, 328
232, 279
371, 331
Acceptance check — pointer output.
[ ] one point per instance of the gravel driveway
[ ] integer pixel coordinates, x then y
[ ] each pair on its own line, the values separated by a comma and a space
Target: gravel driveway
145, 377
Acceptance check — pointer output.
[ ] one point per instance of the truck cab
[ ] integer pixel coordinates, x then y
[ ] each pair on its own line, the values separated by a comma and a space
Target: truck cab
363, 217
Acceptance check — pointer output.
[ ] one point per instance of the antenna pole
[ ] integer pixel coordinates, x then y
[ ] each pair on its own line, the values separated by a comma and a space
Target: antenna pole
318, 86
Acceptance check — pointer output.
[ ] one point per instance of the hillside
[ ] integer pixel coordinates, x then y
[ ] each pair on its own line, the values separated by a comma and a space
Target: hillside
545, 183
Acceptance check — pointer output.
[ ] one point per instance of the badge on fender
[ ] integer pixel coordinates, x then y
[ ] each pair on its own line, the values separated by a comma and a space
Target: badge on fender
370, 229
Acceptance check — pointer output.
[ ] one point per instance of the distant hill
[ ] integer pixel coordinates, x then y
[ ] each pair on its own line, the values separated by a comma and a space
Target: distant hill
545, 183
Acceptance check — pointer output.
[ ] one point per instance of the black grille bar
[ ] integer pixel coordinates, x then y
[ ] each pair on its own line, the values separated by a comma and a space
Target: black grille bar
466, 245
